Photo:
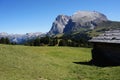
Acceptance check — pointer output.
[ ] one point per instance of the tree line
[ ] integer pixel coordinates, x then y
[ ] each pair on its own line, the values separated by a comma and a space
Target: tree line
6, 40
42, 41
80, 40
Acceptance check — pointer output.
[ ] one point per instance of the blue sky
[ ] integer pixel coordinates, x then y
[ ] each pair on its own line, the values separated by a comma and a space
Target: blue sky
23, 16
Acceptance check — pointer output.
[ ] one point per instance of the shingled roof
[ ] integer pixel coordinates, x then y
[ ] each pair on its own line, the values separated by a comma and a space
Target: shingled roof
112, 36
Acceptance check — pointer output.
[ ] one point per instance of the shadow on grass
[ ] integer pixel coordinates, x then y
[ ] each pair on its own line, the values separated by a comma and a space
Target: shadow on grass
99, 64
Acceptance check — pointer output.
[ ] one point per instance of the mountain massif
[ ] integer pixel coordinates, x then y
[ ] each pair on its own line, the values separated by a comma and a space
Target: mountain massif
76, 22
84, 19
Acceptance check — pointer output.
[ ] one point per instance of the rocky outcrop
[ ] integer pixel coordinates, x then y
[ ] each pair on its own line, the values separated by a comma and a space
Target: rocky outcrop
59, 24
84, 19
80, 19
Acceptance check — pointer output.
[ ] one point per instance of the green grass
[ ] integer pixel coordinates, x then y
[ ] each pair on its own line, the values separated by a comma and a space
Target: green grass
51, 63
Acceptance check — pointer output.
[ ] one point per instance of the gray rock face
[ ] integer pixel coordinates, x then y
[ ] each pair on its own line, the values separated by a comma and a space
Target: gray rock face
87, 16
80, 19
84, 19
59, 24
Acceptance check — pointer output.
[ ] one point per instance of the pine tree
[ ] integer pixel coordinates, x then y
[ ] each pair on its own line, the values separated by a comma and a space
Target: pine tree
2, 40
37, 42
63, 42
7, 41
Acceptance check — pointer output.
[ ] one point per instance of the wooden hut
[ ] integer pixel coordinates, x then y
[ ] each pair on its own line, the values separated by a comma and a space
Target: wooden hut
106, 48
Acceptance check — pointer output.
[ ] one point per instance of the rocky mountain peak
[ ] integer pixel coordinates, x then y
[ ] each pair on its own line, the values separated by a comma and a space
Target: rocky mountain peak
84, 19
86, 16
59, 24
80, 19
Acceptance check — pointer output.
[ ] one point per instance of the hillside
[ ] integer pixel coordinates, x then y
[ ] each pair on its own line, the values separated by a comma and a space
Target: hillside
92, 23
51, 63
99, 29
104, 26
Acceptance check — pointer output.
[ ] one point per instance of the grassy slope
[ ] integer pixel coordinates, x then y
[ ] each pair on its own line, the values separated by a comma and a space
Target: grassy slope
105, 26
99, 29
51, 63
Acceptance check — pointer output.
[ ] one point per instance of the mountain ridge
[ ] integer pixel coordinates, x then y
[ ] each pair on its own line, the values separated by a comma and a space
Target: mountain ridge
80, 19
21, 38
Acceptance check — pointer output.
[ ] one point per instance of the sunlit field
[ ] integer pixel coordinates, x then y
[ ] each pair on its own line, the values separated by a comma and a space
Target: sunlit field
51, 63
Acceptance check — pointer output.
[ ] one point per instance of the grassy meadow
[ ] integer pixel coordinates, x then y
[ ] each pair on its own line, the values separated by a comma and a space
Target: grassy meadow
51, 63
